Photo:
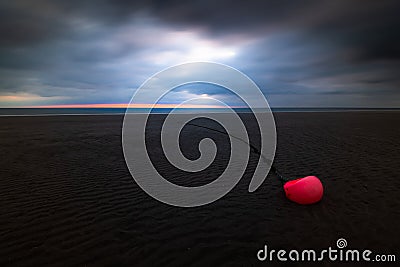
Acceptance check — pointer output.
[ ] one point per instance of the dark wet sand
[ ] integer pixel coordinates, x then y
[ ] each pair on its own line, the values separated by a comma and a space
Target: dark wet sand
67, 198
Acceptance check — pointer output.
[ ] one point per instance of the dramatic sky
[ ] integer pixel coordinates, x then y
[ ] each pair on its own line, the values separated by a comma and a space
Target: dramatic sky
300, 53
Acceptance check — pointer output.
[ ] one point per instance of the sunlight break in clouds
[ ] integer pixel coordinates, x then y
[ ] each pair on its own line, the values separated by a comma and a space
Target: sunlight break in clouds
184, 46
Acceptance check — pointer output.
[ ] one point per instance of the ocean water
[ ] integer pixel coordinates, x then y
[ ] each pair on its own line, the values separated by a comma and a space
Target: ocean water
113, 111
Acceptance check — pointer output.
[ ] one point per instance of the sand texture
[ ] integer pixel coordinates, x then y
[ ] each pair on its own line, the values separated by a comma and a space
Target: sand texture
68, 199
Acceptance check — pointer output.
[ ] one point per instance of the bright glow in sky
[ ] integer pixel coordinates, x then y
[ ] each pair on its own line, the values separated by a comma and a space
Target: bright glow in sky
184, 46
210, 53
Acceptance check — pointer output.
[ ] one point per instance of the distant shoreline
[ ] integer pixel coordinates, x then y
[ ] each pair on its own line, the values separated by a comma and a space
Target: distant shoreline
35, 112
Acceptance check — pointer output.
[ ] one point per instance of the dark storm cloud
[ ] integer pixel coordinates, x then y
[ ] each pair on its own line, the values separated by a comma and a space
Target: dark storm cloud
368, 29
372, 26
25, 22
79, 49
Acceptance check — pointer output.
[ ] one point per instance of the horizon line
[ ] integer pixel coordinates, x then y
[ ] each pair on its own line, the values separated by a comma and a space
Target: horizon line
190, 106
123, 105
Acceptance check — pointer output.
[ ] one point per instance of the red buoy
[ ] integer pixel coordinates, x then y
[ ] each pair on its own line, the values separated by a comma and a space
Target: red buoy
306, 190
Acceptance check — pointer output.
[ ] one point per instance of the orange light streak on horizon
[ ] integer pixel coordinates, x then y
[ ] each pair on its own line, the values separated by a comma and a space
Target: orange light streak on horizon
125, 106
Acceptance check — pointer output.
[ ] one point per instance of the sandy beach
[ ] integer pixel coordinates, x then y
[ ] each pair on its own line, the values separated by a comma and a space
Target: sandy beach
68, 199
